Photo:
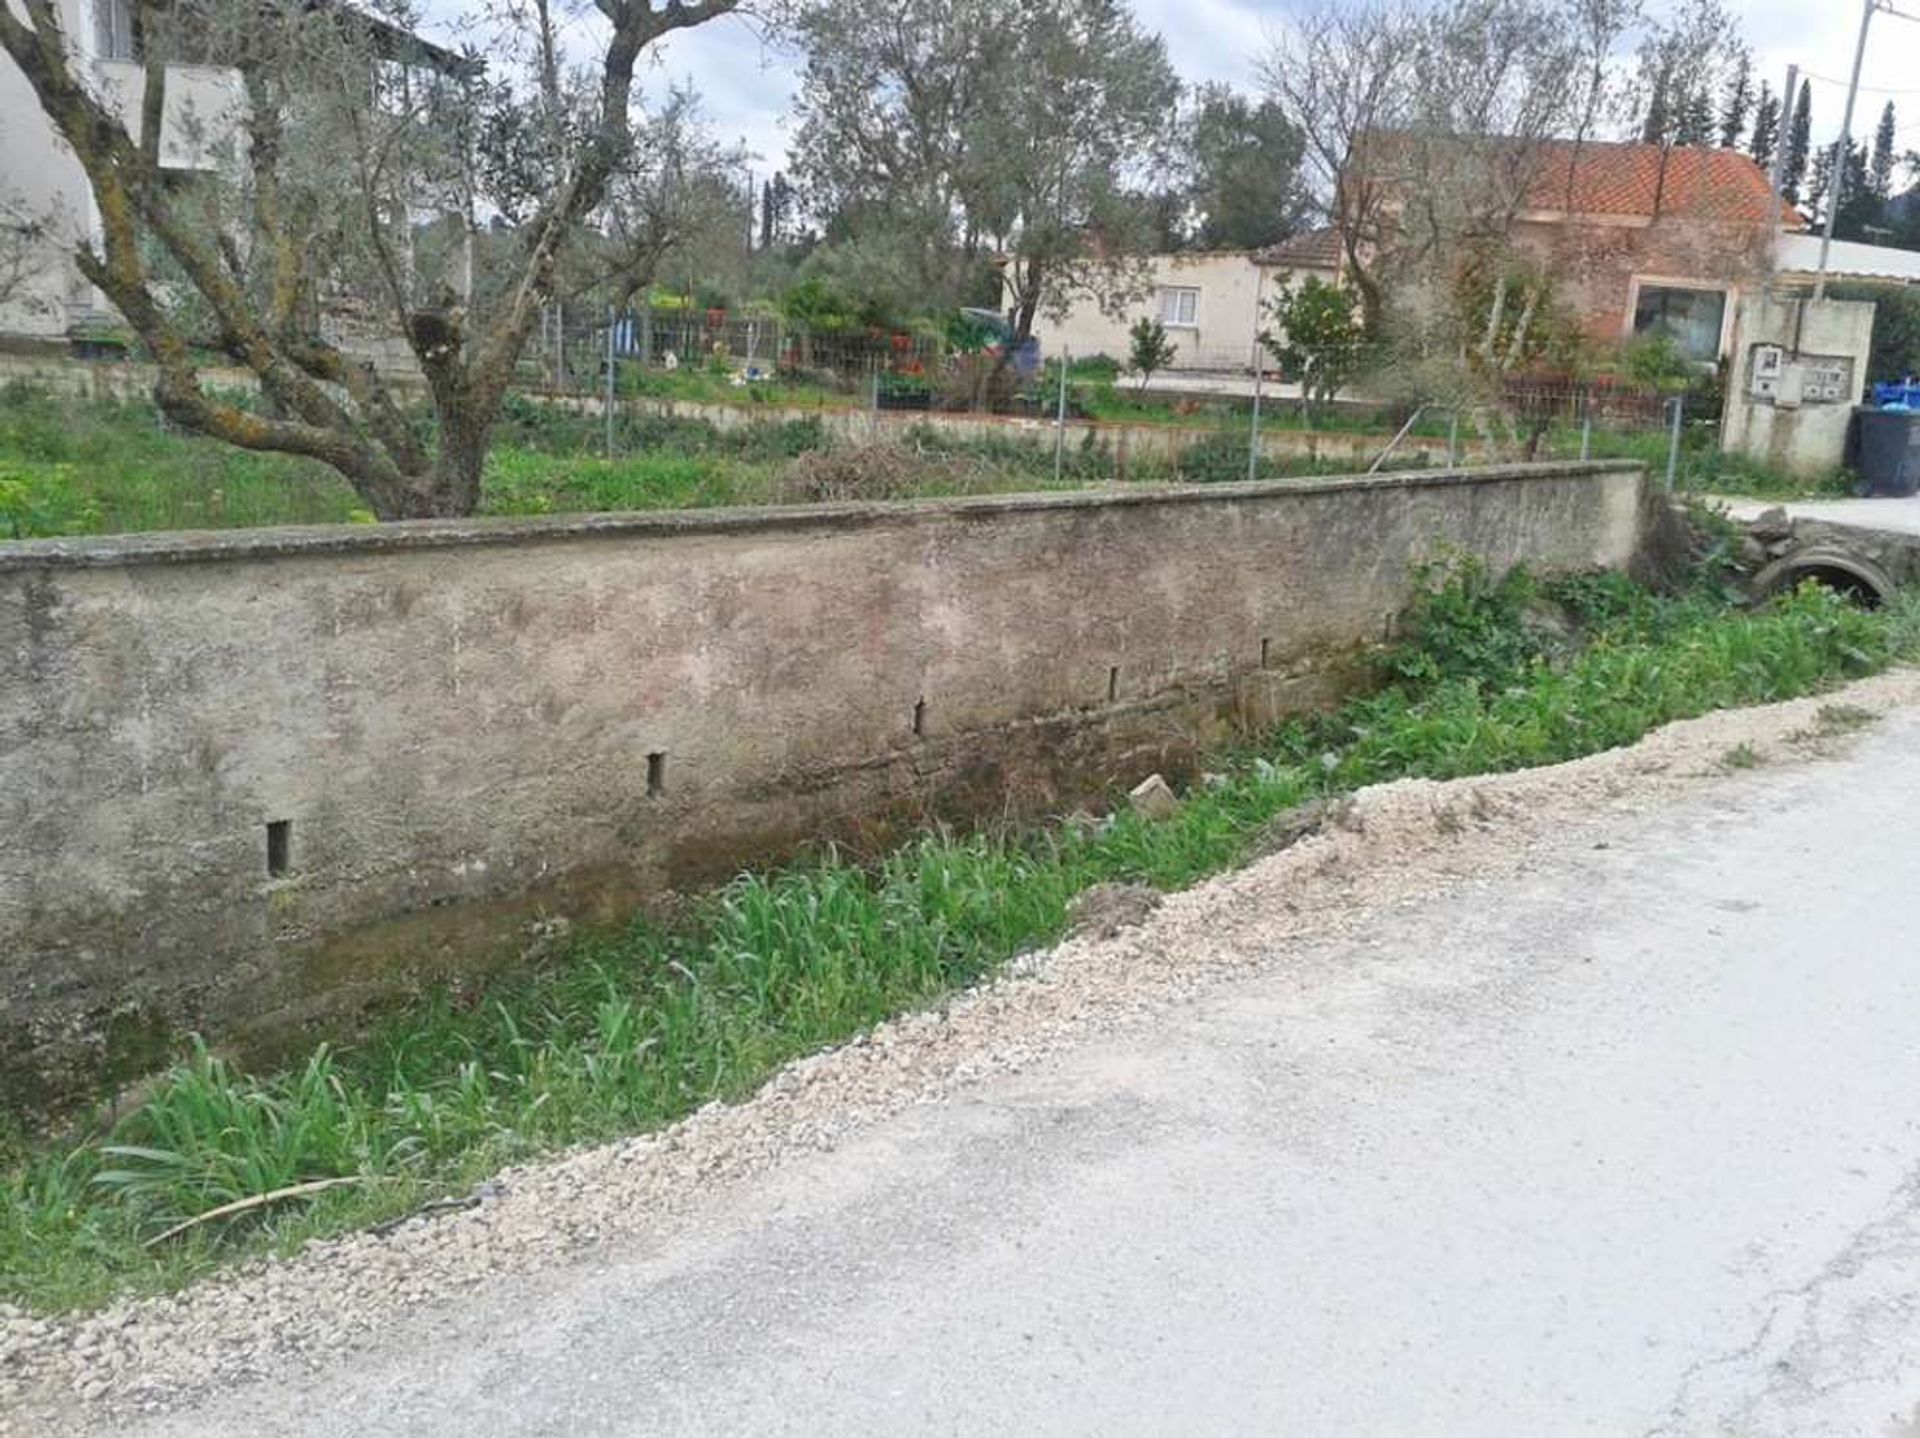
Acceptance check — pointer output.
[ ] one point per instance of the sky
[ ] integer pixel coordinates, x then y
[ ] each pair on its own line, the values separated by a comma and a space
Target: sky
747, 87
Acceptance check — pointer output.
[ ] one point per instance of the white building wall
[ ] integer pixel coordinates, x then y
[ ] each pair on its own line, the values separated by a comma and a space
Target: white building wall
1230, 291
1220, 337
41, 179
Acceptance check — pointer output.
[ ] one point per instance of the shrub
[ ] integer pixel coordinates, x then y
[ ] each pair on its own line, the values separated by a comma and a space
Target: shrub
1151, 350
1100, 367
1218, 458
857, 472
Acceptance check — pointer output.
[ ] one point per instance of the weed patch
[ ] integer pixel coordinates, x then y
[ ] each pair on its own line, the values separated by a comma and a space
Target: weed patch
626, 1033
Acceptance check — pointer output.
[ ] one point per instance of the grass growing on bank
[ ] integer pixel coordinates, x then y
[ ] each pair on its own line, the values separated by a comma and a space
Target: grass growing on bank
1704, 468
76, 467
628, 1032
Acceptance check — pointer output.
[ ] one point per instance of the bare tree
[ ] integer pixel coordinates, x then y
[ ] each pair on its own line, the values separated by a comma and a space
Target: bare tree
1597, 27
1340, 74
675, 195
1425, 132
1686, 58
349, 134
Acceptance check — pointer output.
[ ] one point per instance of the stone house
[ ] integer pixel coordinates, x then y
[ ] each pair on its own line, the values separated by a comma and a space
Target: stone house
1640, 240
1646, 241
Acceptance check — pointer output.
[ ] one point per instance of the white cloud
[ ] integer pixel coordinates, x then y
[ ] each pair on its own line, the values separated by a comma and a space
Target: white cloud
748, 86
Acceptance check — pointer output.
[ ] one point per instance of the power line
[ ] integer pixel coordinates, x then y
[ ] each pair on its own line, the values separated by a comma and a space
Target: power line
1864, 89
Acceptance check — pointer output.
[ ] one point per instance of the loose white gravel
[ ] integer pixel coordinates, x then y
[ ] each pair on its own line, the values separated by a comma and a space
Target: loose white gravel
1400, 843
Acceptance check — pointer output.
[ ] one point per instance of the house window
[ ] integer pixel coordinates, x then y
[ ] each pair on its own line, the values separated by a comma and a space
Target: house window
1179, 307
1692, 319
113, 29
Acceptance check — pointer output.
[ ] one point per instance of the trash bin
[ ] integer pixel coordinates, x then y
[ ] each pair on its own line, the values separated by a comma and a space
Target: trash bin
1886, 451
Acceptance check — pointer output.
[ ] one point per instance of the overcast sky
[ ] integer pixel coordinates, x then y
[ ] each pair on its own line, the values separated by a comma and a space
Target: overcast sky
747, 88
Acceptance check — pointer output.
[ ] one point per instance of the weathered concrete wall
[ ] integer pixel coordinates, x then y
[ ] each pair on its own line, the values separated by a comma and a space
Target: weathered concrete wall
1792, 425
1131, 445
469, 727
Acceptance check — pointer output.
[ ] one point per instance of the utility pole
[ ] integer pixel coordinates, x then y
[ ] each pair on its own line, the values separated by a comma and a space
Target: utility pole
1837, 190
1778, 177
1259, 369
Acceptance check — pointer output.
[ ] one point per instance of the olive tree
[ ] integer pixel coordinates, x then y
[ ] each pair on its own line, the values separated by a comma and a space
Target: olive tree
1028, 129
676, 196
353, 150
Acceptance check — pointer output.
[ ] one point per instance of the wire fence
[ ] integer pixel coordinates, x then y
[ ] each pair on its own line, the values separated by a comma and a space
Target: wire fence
577, 350
1098, 425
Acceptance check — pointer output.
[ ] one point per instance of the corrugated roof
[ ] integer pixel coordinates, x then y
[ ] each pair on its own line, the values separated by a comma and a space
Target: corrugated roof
1800, 254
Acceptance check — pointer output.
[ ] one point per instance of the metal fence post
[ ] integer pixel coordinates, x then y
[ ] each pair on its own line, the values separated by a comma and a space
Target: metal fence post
1060, 420
1673, 446
1253, 443
1586, 428
1453, 438
873, 371
1394, 443
609, 399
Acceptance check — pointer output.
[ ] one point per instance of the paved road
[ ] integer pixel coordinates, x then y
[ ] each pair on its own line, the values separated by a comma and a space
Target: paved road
1629, 1146
1894, 516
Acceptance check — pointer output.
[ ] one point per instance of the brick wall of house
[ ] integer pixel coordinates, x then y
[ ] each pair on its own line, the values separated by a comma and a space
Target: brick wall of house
1598, 259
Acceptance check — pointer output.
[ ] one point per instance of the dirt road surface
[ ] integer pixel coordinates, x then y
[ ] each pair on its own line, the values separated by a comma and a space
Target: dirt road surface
1580, 1101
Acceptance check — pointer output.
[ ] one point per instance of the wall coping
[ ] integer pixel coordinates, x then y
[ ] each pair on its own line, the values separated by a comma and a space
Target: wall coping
201, 546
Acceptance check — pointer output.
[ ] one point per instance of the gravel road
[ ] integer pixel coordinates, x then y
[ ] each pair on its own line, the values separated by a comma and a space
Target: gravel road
1580, 1100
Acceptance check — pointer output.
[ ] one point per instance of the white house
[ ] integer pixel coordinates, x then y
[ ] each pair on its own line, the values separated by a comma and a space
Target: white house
1209, 301
42, 182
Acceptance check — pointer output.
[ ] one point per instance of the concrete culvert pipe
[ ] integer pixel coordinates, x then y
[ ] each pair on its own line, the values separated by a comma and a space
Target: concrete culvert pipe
1858, 578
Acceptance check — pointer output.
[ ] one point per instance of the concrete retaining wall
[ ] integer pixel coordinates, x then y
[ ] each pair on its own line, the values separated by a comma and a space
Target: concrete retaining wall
254, 779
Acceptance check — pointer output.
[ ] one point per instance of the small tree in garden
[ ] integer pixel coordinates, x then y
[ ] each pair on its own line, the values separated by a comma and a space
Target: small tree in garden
348, 134
1151, 349
1316, 337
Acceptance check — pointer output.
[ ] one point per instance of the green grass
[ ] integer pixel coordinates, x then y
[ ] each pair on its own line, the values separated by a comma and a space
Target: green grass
695, 384
626, 1032
1124, 402
1703, 467
89, 467
70, 467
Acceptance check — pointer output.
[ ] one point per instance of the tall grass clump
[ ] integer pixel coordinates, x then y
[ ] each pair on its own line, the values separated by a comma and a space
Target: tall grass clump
631, 1030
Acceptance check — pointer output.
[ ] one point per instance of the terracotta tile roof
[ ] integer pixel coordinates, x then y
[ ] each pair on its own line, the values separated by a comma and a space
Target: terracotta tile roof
1611, 178
1310, 250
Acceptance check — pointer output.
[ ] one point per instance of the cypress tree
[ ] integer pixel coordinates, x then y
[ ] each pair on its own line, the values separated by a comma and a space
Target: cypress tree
1880, 167
1736, 102
1766, 128
1799, 145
